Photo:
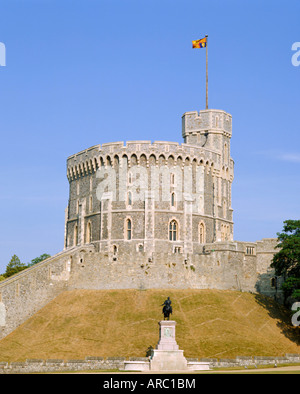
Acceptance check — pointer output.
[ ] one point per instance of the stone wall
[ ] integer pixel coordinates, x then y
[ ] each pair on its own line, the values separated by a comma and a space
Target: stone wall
118, 363
25, 293
223, 265
57, 365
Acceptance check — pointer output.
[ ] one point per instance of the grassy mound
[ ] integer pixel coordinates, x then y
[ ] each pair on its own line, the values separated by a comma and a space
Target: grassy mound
124, 323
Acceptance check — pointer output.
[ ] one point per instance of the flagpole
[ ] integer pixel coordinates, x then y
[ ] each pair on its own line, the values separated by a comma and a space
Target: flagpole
206, 73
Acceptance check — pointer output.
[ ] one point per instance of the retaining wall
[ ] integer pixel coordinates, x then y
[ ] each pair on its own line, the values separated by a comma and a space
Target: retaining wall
223, 266
118, 363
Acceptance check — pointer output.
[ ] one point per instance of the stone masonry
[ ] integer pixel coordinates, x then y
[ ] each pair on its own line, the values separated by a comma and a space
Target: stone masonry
148, 215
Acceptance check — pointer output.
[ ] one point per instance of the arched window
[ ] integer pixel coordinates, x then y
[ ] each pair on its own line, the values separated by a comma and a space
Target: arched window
274, 282
225, 153
75, 234
88, 233
173, 230
128, 229
129, 198
224, 209
172, 179
201, 233
173, 200
115, 249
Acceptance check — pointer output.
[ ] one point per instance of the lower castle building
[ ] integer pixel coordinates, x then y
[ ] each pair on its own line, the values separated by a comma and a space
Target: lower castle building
148, 215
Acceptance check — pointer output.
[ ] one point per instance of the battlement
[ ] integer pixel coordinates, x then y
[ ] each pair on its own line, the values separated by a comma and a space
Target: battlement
206, 140
206, 120
138, 152
134, 146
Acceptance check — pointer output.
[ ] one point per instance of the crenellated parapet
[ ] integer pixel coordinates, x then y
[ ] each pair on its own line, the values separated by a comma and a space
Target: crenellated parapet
212, 120
146, 153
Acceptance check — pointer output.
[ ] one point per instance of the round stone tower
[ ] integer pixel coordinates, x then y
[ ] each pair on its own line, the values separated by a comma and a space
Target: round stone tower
154, 197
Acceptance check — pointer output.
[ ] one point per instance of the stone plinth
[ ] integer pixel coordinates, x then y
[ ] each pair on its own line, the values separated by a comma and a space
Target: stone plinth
167, 339
167, 356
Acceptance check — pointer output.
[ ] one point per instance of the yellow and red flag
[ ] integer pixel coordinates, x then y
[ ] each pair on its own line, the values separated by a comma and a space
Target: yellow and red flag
200, 43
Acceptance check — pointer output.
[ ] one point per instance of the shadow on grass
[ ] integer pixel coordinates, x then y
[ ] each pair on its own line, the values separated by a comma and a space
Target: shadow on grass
283, 315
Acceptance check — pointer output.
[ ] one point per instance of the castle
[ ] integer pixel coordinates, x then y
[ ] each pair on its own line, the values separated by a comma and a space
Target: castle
148, 215
170, 197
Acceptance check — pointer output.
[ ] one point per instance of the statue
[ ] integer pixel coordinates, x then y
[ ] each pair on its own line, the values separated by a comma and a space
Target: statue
167, 309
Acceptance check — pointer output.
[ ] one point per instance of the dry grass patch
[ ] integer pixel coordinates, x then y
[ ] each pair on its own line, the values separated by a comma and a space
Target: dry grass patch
108, 323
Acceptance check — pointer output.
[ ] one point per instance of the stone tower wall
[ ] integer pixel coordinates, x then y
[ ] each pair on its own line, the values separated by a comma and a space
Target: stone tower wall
198, 173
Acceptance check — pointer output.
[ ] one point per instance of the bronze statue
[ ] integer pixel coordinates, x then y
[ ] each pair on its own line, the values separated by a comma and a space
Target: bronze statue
167, 309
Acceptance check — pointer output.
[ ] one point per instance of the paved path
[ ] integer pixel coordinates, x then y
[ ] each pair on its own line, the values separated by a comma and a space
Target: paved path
295, 369
290, 369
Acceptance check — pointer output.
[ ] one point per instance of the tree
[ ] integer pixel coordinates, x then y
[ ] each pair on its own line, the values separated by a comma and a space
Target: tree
14, 266
42, 257
287, 261
291, 287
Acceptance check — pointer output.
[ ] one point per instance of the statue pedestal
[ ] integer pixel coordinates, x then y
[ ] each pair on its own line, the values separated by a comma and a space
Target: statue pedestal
167, 356
167, 339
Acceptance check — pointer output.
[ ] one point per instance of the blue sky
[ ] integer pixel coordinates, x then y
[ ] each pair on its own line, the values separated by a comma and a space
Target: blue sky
80, 73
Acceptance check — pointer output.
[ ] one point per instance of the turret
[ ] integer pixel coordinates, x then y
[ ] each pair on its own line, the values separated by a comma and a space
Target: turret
210, 128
